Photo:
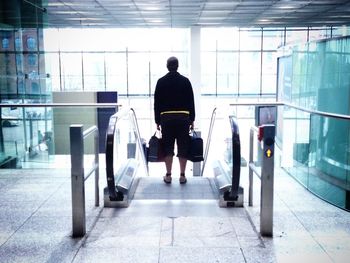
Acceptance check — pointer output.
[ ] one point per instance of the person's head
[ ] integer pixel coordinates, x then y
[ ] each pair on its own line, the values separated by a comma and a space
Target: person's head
172, 64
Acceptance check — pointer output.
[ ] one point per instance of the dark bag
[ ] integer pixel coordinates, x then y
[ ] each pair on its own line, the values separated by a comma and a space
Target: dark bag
195, 153
155, 151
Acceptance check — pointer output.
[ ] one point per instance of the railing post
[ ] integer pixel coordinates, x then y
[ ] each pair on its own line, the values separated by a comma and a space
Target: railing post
77, 180
97, 169
197, 165
251, 159
267, 180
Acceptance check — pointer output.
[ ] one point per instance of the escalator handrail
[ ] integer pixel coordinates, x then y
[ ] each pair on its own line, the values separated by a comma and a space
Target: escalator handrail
236, 157
110, 135
212, 120
138, 137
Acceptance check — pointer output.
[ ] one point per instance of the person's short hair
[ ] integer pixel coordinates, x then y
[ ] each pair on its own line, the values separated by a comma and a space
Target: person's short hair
172, 64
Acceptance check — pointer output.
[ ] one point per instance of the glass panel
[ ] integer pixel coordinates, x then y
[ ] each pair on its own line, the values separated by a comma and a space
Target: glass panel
320, 33
158, 39
72, 39
269, 67
341, 31
219, 38
26, 136
138, 69
208, 73
250, 40
273, 39
227, 73
329, 165
94, 39
53, 70
115, 39
94, 72
71, 69
11, 137
296, 36
51, 40
116, 72
249, 79
208, 43
321, 80
295, 144
8, 76
180, 40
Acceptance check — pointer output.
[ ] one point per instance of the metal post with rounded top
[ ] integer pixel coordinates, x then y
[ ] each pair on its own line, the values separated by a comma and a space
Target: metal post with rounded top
77, 180
267, 180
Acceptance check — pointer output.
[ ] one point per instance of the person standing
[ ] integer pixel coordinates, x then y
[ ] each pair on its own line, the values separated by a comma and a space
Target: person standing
174, 114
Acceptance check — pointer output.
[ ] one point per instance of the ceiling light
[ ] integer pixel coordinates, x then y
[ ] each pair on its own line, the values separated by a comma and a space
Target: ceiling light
155, 21
70, 12
85, 18
55, 4
151, 8
286, 7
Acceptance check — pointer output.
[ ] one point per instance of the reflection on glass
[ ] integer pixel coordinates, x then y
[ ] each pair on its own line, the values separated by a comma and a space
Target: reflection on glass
320, 145
26, 135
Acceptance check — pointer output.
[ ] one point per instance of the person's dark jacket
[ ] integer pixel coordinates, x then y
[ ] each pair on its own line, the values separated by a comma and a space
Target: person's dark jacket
173, 93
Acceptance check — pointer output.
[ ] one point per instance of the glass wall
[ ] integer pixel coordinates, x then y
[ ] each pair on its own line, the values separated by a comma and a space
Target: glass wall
129, 61
235, 61
23, 80
320, 79
243, 62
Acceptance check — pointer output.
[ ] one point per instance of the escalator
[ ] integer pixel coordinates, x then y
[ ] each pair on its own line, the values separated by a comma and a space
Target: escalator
128, 175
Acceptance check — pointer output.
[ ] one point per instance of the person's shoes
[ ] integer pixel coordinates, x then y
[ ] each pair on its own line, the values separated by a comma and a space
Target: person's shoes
167, 179
182, 179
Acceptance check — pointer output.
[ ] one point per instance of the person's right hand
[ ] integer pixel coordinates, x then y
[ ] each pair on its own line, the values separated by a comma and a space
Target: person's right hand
158, 127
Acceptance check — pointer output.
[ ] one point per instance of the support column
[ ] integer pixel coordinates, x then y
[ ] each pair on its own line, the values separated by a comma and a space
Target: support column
195, 71
195, 77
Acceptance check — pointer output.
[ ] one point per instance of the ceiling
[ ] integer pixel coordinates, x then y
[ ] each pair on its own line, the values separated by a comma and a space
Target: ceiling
177, 13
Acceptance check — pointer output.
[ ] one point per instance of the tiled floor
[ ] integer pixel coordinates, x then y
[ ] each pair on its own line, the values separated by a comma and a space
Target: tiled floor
171, 223
165, 223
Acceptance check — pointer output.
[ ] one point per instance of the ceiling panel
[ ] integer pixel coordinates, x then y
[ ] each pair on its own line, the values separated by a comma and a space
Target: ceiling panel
180, 13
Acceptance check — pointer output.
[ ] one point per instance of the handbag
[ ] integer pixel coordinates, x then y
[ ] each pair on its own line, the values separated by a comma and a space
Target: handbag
155, 151
195, 150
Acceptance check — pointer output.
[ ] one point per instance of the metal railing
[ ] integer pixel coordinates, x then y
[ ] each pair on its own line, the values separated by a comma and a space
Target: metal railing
266, 175
78, 176
279, 103
59, 105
